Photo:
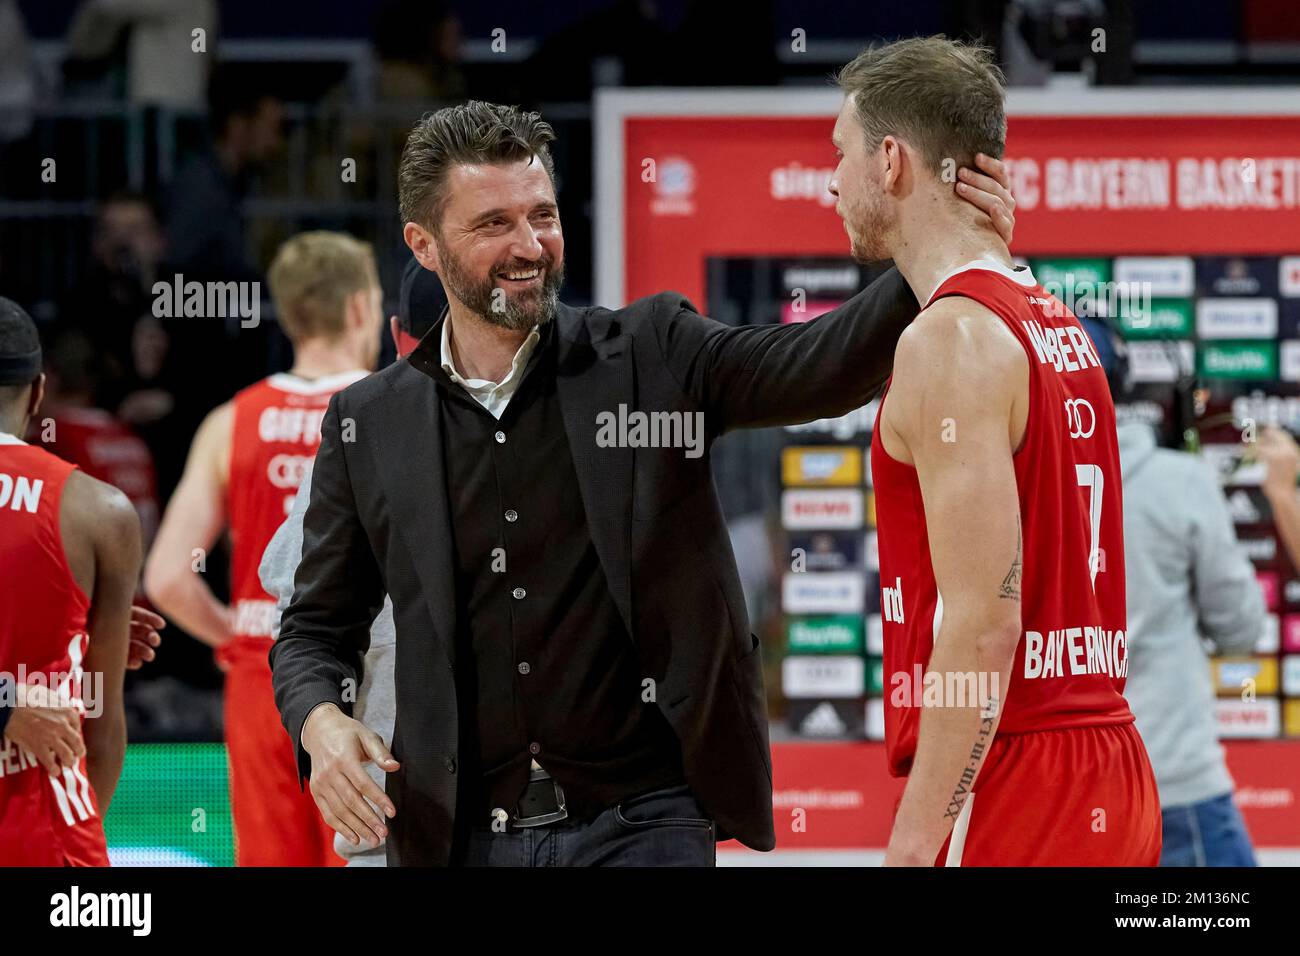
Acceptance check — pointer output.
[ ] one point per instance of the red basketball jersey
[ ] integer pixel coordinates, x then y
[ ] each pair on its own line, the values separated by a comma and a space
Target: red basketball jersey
275, 435
1070, 665
44, 820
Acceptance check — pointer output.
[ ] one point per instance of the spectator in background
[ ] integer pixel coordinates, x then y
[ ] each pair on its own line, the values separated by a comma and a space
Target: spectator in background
207, 232
127, 247
205, 220
1187, 580
156, 375
153, 40
90, 438
17, 79
417, 45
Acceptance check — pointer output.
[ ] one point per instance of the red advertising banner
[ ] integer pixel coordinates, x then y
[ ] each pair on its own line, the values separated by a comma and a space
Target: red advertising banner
700, 186
840, 796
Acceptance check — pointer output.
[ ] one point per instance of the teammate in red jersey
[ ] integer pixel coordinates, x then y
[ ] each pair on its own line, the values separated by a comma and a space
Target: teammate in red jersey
70, 556
242, 473
998, 504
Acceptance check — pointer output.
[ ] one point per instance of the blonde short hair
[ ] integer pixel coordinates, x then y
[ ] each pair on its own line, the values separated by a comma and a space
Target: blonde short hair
312, 277
944, 96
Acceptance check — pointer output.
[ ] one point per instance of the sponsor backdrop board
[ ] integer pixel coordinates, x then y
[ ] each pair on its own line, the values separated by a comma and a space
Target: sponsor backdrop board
839, 796
1180, 226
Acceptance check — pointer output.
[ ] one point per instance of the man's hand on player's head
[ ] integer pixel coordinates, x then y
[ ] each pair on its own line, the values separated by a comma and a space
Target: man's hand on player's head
989, 189
46, 728
347, 797
145, 625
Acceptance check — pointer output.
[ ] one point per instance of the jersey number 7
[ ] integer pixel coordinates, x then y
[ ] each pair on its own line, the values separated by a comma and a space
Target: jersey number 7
1091, 477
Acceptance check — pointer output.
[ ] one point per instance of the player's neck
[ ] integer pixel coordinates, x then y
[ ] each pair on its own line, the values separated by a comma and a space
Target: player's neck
933, 246
479, 348
13, 425
315, 359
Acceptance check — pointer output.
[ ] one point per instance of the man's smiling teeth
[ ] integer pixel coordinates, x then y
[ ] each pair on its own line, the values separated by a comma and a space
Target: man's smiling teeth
531, 273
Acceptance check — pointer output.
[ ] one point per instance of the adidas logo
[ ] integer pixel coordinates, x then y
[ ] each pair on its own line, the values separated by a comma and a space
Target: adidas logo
823, 721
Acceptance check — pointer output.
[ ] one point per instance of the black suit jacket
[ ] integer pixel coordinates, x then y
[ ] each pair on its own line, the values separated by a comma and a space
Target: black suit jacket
378, 522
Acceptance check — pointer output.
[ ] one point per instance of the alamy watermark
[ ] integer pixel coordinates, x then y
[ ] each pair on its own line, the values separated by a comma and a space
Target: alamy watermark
208, 300
638, 429
958, 689
1084, 298
62, 687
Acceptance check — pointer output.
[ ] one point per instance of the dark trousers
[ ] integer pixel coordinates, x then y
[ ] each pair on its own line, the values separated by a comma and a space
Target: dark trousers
661, 828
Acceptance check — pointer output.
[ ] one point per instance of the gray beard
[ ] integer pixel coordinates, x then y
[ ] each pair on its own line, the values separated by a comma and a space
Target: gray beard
517, 319
482, 298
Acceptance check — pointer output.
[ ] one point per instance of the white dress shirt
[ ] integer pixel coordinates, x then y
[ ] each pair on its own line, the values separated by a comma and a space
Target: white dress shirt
494, 396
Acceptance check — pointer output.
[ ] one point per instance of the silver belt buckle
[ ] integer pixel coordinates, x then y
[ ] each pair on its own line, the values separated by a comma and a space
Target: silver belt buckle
541, 819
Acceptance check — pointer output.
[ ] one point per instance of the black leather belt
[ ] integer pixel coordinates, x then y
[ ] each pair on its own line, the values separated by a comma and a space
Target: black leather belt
542, 802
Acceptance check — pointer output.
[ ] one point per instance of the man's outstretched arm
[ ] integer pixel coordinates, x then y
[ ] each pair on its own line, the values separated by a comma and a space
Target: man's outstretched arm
960, 375
756, 376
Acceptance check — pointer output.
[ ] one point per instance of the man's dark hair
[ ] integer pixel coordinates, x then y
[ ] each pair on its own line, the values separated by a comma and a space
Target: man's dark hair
942, 96
473, 133
18, 336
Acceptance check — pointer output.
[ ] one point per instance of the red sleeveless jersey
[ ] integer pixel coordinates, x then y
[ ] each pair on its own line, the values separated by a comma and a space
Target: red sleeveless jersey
1070, 665
44, 820
275, 435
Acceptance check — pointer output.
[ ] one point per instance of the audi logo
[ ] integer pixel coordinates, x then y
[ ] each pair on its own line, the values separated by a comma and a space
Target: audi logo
1074, 417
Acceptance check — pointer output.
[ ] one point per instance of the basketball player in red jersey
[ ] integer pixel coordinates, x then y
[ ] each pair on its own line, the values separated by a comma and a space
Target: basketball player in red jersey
242, 473
998, 504
70, 556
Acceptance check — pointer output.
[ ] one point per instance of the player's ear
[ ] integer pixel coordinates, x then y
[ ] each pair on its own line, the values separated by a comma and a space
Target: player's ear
395, 331
891, 159
37, 396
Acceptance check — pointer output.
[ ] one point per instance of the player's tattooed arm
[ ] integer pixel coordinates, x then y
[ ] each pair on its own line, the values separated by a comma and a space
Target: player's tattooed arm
978, 750
969, 490
1010, 588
